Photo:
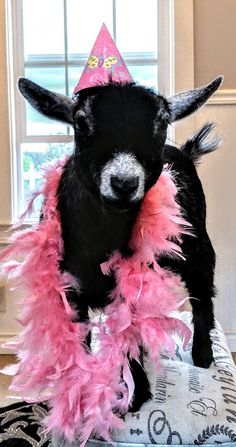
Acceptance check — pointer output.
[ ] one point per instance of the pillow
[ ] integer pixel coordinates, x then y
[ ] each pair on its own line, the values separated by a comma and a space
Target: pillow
190, 405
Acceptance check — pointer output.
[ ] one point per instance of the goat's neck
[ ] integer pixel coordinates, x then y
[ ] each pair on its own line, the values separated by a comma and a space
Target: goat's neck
103, 226
91, 229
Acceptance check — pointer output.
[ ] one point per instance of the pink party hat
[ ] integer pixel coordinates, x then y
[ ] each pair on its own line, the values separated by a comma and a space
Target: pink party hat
105, 63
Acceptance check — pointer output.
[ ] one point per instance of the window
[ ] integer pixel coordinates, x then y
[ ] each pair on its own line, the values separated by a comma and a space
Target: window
49, 42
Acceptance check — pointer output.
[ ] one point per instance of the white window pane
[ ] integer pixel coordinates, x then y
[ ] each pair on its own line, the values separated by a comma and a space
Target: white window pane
43, 23
34, 156
136, 26
84, 20
52, 78
45, 63
144, 74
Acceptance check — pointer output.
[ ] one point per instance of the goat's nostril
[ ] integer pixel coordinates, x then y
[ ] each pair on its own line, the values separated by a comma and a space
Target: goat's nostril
124, 185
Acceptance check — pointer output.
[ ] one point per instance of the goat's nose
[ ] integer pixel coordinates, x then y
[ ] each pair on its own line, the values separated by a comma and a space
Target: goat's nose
124, 185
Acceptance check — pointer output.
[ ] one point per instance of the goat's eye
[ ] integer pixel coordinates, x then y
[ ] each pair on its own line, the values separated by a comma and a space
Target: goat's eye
84, 122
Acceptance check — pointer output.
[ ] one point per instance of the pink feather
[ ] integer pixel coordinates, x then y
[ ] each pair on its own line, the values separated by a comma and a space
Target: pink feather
87, 391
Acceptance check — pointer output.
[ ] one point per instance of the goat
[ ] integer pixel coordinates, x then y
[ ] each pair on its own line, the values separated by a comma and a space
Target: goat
120, 134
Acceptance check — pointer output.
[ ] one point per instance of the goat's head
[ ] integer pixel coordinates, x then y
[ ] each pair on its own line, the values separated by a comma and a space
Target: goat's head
120, 132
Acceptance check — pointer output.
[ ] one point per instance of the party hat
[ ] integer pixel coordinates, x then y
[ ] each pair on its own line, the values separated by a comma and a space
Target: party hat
104, 64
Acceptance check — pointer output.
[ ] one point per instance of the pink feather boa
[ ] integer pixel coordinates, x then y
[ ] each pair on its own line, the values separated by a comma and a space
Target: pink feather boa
88, 391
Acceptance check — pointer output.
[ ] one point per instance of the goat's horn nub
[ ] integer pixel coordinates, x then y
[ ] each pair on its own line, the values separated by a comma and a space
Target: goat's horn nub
185, 103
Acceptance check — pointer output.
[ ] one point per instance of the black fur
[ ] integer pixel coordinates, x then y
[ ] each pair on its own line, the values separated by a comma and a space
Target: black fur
198, 269
130, 119
199, 144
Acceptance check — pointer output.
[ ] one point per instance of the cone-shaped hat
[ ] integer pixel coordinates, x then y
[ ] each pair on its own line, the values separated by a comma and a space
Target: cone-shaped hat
105, 63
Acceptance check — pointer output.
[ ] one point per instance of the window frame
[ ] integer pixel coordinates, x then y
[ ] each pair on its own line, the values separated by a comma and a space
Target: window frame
167, 66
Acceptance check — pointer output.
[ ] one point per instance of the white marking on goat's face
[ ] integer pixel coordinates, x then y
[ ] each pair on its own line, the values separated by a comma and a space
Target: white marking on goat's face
124, 168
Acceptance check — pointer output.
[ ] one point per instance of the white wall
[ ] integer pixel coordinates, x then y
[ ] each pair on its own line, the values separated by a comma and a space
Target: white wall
214, 40
217, 172
214, 53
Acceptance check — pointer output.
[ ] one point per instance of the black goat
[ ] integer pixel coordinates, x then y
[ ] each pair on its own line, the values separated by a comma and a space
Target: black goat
120, 134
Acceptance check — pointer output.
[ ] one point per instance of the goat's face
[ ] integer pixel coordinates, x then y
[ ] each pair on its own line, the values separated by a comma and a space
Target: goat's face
120, 132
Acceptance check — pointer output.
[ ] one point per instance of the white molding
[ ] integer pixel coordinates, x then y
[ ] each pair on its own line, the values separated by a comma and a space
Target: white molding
4, 338
223, 97
11, 101
166, 75
166, 56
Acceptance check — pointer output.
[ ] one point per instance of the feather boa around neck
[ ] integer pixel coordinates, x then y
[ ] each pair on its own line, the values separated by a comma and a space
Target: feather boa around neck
87, 391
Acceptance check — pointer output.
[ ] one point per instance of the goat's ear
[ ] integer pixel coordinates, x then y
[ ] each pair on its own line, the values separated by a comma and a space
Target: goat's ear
185, 103
53, 105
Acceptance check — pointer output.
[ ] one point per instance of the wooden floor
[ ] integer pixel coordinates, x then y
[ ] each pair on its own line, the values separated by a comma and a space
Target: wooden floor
5, 380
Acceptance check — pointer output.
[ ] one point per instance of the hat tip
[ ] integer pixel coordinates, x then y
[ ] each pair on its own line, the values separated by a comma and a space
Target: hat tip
104, 64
